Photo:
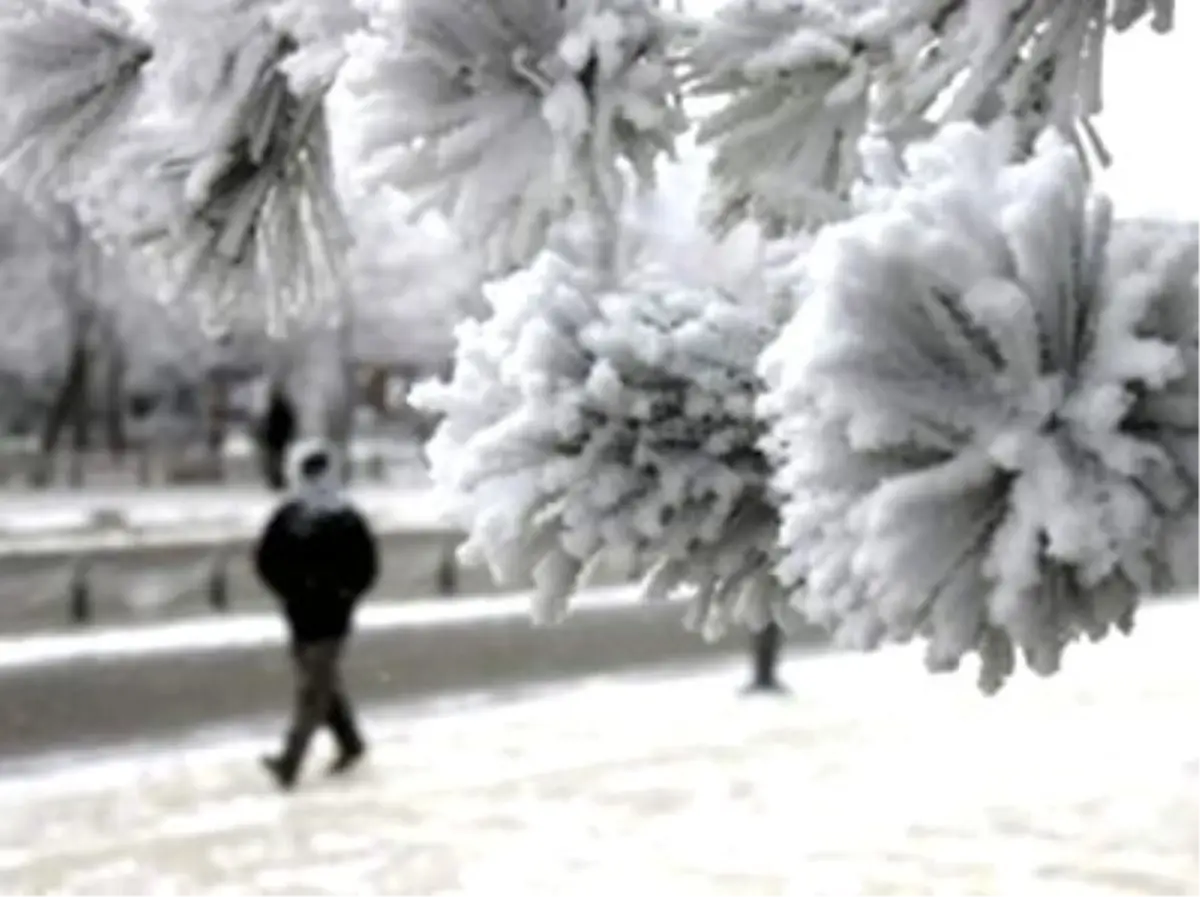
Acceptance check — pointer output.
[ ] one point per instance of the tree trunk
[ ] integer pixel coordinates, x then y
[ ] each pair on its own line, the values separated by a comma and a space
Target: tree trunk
70, 405
81, 430
114, 395
62, 410
216, 420
342, 422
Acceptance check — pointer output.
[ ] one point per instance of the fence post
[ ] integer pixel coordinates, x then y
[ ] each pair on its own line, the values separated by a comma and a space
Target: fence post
447, 572
144, 475
218, 583
79, 595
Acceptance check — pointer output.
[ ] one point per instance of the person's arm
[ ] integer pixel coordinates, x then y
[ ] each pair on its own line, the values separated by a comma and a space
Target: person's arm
274, 556
361, 556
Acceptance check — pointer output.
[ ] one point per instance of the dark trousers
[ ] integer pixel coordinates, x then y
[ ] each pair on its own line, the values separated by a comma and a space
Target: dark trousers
320, 701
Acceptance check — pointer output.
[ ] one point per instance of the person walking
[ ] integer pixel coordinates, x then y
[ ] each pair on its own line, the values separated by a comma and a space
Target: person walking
318, 556
277, 432
765, 647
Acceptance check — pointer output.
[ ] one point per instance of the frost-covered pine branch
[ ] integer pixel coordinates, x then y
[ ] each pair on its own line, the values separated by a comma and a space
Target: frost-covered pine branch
226, 187
985, 408
321, 30
794, 79
603, 415
1040, 59
69, 75
497, 114
790, 85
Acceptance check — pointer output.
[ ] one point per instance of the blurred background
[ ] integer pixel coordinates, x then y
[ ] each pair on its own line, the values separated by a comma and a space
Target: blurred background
104, 386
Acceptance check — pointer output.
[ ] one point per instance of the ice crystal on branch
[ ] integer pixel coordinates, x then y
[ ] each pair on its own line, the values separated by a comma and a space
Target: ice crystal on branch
69, 74
790, 85
987, 410
609, 415
228, 192
321, 29
1041, 61
794, 77
496, 113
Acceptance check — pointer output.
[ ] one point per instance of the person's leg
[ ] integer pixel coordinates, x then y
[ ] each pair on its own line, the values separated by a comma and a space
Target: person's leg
341, 722
339, 717
315, 666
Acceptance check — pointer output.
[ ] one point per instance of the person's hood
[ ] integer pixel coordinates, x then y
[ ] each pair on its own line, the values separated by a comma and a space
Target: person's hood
321, 492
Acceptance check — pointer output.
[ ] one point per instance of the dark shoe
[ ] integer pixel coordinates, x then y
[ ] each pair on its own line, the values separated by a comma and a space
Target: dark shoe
347, 760
283, 772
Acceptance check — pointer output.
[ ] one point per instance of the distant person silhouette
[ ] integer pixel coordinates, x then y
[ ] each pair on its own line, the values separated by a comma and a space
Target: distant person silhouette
765, 647
276, 436
318, 556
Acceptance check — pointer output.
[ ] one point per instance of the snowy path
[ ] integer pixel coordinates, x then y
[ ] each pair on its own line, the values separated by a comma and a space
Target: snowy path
875, 778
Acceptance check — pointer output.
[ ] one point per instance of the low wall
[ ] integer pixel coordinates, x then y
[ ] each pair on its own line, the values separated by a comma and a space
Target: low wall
79, 585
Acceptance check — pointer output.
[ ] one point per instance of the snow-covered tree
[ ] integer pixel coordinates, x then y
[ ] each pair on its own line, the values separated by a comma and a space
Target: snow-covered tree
887, 360
33, 325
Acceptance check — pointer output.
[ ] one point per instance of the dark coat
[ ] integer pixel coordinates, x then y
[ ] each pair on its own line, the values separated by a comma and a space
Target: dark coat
318, 564
277, 431
279, 424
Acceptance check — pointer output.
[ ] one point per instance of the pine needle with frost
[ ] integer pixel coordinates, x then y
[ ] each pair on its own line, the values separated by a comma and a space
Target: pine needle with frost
609, 418
228, 193
793, 81
496, 114
321, 30
1040, 60
69, 75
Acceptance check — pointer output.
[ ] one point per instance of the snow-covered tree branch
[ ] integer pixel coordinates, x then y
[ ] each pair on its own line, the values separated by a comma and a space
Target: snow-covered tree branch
987, 407
602, 414
498, 115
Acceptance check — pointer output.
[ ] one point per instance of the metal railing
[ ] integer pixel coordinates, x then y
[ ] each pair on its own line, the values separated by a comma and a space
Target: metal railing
86, 581
96, 580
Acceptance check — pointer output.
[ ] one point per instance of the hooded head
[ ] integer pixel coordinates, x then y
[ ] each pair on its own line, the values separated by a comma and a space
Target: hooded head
313, 475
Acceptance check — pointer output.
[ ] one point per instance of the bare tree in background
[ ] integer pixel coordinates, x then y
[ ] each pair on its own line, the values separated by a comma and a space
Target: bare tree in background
70, 284
81, 327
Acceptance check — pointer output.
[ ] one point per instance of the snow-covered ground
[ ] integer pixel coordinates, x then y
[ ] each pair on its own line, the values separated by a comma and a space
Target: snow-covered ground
874, 778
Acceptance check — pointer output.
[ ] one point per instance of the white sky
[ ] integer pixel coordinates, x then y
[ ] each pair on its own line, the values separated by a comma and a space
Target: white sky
1150, 122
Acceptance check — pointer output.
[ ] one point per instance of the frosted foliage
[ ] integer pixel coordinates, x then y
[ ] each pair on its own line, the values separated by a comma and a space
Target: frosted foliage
68, 74
794, 78
497, 114
985, 410
592, 419
320, 29
229, 199
790, 85
1172, 250
1043, 59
